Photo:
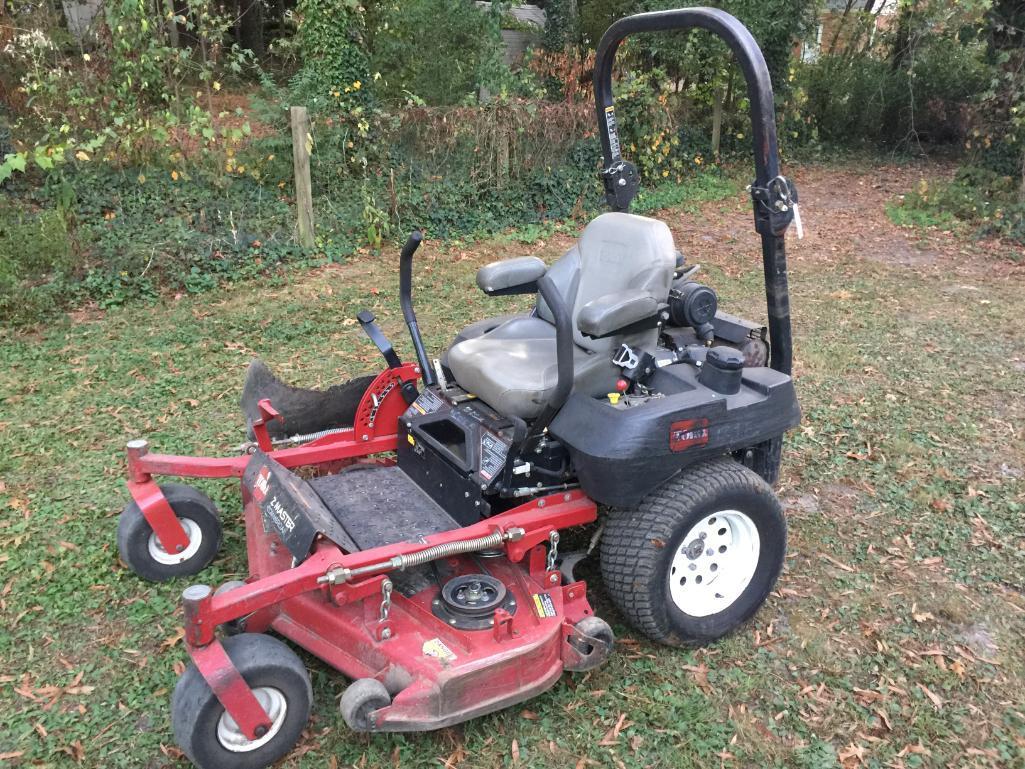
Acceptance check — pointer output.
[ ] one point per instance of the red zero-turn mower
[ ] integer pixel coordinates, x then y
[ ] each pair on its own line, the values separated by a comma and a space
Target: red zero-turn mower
418, 549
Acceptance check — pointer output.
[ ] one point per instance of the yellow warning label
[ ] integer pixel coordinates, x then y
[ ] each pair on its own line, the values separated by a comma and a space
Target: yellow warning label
410, 439
543, 605
436, 648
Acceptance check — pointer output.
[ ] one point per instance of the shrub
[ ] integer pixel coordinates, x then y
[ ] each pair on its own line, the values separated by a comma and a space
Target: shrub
436, 51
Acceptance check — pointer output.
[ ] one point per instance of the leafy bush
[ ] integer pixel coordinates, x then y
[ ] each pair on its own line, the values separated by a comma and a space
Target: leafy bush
864, 99
331, 43
35, 252
436, 51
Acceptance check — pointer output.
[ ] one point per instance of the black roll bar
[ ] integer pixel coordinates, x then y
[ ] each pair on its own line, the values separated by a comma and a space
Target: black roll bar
774, 196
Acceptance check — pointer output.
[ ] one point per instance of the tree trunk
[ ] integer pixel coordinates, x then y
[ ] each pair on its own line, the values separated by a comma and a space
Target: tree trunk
250, 26
840, 26
902, 43
1021, 189
170, 23
720, 97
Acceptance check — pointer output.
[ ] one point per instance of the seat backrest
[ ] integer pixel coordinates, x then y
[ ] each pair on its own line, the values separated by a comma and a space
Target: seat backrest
616, 251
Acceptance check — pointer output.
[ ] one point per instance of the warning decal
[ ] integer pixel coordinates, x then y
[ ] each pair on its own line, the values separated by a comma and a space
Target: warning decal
261, 484
427, 403
543, 605
493, 451
436, 648
613, 131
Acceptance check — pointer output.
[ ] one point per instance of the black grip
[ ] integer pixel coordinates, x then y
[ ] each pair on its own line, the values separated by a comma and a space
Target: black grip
406, 300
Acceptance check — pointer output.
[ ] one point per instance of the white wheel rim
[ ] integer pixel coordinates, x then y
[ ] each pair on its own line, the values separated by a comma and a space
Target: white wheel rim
164, 558
230, 735
714, 563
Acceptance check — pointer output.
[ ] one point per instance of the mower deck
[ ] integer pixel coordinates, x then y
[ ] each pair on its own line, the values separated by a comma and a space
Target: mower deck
438, 671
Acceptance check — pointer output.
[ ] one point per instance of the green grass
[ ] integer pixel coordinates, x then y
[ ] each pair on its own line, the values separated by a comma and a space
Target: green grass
903, 484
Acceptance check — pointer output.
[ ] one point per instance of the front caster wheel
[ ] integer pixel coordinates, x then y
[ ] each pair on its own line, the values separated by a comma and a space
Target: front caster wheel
141, 550
211, 738
359, 702
698, 556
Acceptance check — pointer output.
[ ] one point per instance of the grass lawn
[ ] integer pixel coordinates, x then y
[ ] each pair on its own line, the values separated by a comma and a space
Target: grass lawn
894, 638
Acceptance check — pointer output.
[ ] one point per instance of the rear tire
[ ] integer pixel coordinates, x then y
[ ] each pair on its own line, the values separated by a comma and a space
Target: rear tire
698, 556
210, 737
140, 549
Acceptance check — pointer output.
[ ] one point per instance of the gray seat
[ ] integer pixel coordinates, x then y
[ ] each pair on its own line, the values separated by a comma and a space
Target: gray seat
512, 367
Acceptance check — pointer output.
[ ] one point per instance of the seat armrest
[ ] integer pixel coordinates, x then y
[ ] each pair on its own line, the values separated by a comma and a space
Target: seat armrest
618, 311
511, 276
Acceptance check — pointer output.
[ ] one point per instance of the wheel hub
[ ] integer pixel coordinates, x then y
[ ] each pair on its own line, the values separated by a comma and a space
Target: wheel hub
161, 556
714, 564
469, 601
230, 734
696, 547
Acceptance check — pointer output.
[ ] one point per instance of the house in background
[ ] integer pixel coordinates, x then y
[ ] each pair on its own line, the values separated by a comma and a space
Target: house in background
843, 22
522, 26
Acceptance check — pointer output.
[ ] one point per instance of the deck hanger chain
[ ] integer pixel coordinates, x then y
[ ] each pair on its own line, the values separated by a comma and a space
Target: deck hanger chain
386, 588
553, 550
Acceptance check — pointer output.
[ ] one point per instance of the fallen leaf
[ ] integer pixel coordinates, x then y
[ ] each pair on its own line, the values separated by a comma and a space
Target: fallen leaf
700, 673
958, 667
933, 697
837, 563
612, 735
173, 639
851, 755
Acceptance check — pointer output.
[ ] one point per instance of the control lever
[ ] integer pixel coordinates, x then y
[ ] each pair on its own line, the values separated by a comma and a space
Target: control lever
371, 329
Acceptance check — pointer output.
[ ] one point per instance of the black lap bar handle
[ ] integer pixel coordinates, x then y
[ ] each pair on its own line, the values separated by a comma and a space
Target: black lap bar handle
563, 356
773, 195
406, 300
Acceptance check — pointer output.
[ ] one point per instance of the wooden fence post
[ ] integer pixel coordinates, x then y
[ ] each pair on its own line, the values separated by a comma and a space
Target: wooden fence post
302, 143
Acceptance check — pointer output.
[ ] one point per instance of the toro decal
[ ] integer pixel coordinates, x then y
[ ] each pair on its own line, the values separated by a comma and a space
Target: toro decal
261, 484
687, 433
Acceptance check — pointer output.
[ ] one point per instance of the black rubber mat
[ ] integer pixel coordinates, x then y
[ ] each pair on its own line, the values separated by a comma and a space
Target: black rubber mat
381, 506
